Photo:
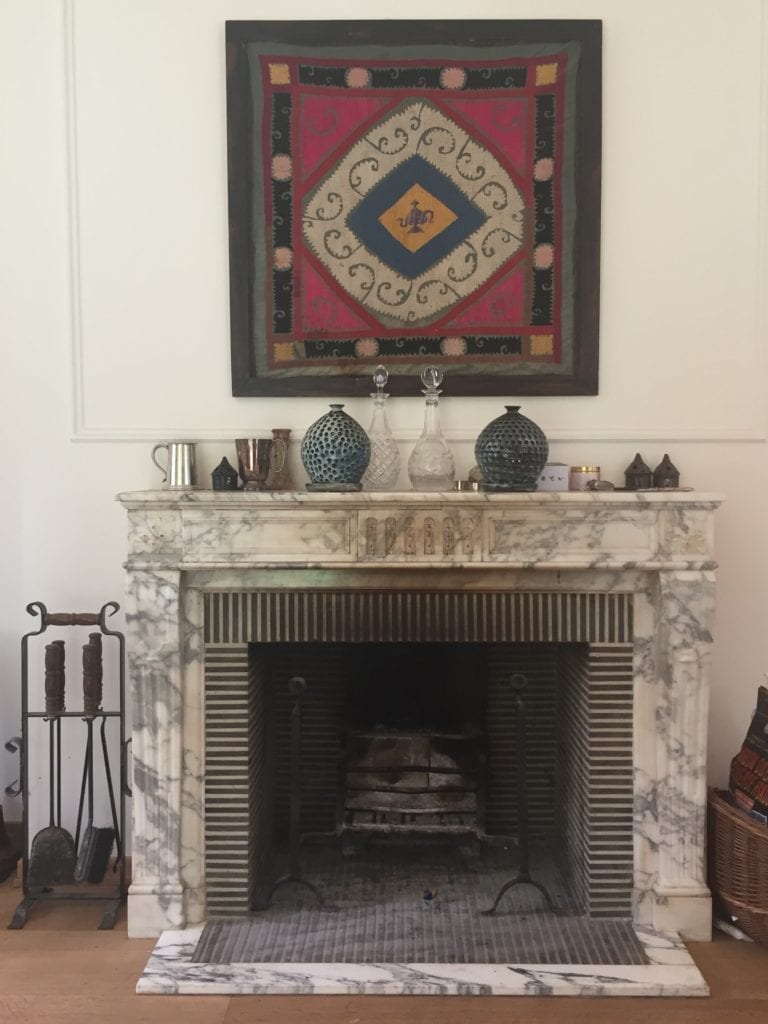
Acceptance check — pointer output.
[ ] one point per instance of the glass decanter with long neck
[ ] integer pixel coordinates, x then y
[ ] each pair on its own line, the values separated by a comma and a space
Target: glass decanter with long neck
384, 467
431, 466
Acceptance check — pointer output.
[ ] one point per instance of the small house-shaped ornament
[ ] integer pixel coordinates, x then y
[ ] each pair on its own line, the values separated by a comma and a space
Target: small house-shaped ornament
637, 475
666, 474
224, 477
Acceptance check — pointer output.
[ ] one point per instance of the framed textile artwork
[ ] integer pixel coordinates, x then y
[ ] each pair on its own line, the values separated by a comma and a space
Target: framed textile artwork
413, 193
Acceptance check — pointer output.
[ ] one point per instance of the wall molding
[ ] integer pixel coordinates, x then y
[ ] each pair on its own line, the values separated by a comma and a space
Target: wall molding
79, 430
83, 431
409, 435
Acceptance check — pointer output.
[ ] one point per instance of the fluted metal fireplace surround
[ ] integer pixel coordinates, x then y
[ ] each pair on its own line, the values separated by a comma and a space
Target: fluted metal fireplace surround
604, 600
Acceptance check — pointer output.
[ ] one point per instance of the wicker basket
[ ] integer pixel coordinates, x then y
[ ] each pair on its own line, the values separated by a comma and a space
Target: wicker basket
738, 866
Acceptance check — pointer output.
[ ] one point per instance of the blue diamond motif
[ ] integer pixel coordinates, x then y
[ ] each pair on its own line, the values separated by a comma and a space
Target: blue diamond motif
364, 219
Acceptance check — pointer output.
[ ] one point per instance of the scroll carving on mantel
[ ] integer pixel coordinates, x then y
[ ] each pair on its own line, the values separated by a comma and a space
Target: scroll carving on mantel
655, 546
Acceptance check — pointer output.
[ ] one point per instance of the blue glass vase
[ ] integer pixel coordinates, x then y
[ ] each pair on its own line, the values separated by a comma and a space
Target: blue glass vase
335, 452
511, 452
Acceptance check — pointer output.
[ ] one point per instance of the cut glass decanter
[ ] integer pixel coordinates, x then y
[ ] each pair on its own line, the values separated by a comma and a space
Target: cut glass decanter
384, 467
431, 466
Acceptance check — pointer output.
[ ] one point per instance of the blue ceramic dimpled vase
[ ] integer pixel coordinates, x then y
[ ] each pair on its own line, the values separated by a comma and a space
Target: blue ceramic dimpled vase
511, 452
335, 452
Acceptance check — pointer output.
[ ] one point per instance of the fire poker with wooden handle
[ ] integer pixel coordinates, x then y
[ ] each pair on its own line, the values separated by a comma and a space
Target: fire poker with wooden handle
93, 852
92, 696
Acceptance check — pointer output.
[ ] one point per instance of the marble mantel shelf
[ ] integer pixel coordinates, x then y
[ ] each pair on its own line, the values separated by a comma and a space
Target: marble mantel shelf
651, 530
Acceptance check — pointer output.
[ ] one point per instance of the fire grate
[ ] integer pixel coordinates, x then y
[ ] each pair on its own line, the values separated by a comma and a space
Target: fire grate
420, 782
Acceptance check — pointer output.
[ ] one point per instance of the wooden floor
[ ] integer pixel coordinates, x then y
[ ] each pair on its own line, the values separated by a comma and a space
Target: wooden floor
60, 970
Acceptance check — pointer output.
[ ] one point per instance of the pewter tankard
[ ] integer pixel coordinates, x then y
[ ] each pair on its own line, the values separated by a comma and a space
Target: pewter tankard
179, 470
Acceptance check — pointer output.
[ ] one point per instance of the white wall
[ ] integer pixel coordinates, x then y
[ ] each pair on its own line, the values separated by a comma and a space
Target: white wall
114, 298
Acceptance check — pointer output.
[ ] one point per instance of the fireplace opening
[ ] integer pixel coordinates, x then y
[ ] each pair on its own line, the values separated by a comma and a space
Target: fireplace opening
408, 770
408, 753
408, 776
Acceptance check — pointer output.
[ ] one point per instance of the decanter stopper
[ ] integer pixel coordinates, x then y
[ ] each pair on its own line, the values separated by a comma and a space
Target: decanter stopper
380, 378
431, 378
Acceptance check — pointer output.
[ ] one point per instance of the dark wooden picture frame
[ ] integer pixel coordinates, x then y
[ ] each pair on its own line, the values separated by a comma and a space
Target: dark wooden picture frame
274, 268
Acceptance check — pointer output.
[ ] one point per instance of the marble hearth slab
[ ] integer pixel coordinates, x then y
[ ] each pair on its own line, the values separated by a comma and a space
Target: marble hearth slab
671, 972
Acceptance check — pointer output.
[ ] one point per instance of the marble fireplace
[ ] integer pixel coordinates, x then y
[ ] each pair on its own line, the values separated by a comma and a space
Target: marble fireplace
201, 564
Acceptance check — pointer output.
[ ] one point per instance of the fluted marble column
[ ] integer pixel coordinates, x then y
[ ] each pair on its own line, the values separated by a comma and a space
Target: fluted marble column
193, 757
154, 662
686, 611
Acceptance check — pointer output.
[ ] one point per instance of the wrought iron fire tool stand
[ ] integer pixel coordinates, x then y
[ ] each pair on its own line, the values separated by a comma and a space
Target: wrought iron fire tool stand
115, 895
519, 682
296, 687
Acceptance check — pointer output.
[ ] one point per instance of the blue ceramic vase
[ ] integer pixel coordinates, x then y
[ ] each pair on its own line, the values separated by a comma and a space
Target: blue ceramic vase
512, 452
335, 452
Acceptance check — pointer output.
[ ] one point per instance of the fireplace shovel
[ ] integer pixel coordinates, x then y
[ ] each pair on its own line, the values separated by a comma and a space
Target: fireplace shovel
96, 846
52, 855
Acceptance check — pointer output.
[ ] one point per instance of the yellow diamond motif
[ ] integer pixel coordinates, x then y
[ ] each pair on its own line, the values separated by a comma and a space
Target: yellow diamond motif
546, 74
280, 74
283, 351
416, 218
542, 345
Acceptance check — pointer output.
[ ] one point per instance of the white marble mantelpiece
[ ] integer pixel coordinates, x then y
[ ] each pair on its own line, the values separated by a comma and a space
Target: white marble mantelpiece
657, 546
